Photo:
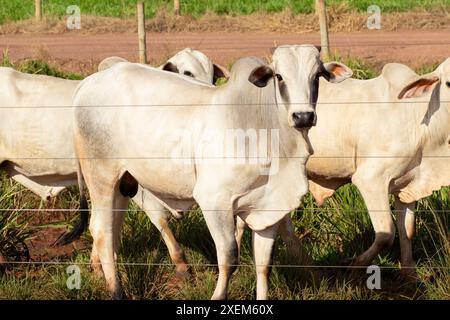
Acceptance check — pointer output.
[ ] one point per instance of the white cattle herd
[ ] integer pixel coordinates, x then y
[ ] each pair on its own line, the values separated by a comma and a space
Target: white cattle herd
246, 152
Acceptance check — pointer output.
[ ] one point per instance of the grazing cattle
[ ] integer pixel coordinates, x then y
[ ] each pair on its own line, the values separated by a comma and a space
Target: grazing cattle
189, 62
35, 127
130, 118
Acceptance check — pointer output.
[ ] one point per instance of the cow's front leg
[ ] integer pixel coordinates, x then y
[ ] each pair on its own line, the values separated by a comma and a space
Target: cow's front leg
221, 225
263, 242
375, 194
405, 227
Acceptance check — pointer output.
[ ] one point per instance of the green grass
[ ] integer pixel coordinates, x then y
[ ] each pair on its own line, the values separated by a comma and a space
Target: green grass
12, 10
37, 67
13, 229
340, 229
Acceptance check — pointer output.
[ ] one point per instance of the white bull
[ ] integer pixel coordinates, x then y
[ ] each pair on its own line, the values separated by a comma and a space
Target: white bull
36, 121
119, 147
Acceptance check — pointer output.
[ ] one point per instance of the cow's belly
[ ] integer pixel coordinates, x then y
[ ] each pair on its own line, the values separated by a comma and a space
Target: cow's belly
45, 167
327, 167
165, 178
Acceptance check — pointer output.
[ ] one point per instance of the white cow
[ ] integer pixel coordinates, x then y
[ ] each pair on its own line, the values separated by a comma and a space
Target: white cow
387, 135
128, 122
189, 62
397, 143
35, 127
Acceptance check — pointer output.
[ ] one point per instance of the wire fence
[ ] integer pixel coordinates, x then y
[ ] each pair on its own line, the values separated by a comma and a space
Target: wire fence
146, 264
184, 105
223, 47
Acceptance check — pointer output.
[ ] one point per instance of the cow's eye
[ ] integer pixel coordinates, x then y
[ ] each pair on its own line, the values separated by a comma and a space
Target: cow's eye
188, 73
279, 77
447, 84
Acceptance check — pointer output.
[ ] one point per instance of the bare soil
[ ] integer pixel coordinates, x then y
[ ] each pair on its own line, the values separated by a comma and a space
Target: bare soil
81, 53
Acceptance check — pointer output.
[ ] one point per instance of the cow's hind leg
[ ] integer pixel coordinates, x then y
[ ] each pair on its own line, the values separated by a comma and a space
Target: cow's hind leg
160, 218
102, 230
375, 194
239, 233
118, 216
405, 226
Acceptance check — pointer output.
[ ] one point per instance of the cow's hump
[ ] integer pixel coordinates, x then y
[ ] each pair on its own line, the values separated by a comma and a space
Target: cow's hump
398, 75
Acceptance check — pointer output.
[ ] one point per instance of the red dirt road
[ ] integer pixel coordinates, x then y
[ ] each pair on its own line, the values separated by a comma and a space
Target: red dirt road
76, 52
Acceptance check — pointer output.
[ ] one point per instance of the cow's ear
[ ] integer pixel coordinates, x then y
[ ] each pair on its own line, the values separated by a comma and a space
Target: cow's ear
220, 72
419, 87
335, 72
169, 66
260, 76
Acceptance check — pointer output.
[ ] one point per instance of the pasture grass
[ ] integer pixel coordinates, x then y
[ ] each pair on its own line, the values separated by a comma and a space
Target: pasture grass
13, 10
337, 231
37, 67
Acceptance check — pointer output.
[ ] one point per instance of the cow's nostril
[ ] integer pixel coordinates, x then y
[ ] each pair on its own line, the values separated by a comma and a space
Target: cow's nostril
447, 84
304, 119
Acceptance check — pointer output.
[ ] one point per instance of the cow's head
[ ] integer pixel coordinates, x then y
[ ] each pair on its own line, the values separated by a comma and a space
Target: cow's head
427, 83
193, 63
296, 71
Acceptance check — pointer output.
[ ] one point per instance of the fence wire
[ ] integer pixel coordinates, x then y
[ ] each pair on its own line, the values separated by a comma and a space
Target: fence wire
223, 47
146, 264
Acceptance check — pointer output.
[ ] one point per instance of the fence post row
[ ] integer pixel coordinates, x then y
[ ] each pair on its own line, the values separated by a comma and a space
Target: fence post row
324, 41
38, 10
141, 32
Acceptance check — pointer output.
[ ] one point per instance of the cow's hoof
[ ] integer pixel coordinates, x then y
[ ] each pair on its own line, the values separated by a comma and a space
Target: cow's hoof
183, 275
117, 294
97, 269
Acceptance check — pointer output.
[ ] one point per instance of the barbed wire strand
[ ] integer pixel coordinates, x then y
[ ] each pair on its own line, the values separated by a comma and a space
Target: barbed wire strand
187, 105
219, 158
216, 265
52, 210
154, 46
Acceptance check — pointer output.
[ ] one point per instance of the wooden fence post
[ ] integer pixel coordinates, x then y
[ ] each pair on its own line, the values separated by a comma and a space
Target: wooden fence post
176, 7
38, 10
324, 41
141, 32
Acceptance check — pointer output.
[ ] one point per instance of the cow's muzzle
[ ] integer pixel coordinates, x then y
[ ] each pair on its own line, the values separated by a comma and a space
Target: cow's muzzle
304, 120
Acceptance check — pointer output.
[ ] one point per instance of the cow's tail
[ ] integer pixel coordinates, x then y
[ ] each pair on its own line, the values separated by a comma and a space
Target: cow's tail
82, 223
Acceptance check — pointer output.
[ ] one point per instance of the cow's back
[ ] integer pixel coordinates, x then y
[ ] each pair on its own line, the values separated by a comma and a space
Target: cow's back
36, 122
